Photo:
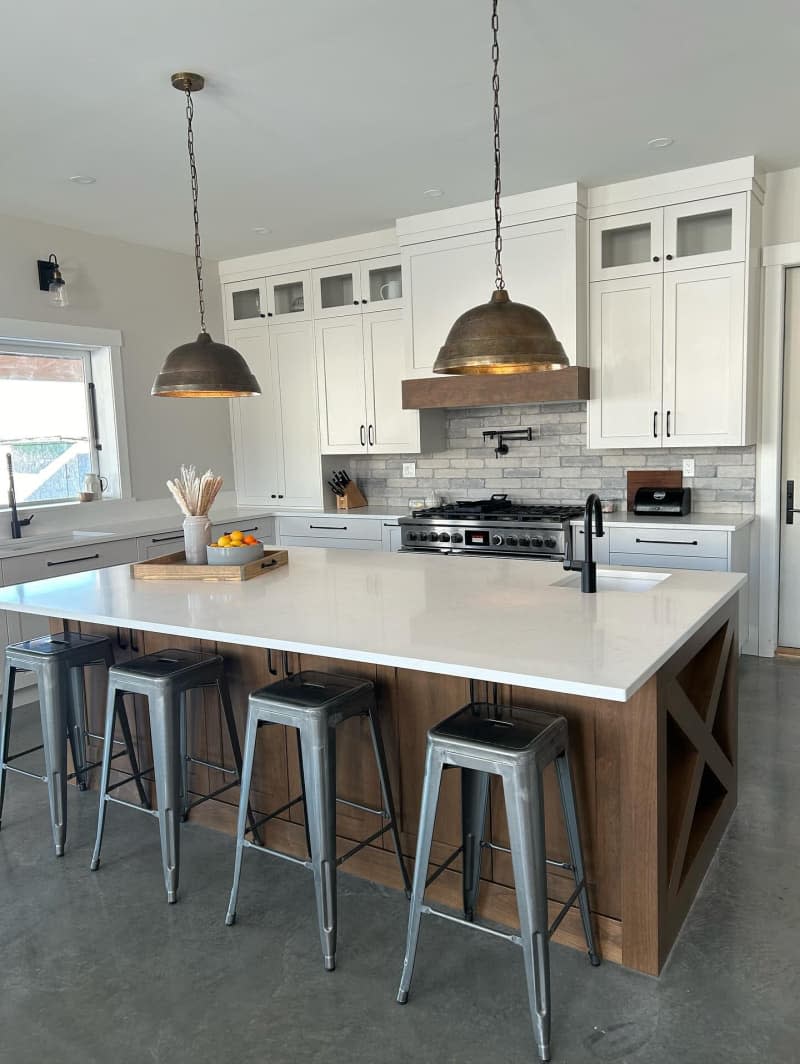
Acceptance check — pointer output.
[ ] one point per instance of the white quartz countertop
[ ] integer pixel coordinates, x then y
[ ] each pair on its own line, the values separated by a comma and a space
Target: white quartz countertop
490, 619
698, 521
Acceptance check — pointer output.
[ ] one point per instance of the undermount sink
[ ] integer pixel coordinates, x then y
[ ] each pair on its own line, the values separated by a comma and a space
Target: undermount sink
62, 539
616, 581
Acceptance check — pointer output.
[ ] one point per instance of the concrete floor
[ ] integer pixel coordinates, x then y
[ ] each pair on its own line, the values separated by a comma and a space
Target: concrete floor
97, 969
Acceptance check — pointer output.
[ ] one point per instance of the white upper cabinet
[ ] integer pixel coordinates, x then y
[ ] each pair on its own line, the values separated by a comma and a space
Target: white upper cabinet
673, 311
282, 297
355, 287
543, 263
390, 429
704, 356
709, 232
627, 245
625, 355
275, 437
245, 303
340, 383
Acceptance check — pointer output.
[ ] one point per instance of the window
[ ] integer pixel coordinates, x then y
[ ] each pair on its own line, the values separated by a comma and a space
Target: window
48, 420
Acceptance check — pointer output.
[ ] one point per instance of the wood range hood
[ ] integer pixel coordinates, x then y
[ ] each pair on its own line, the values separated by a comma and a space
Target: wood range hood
458, 390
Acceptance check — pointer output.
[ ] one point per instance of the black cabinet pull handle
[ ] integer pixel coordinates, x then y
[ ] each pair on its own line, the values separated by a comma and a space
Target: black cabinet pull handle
669, 414
371, 435
166, 539
253, 529
670, 542
330, 528
655, 422
270, 667
363, 436
790, 507
74, 561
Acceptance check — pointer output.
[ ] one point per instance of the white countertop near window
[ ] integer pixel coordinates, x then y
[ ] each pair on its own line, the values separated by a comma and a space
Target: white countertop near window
485, 618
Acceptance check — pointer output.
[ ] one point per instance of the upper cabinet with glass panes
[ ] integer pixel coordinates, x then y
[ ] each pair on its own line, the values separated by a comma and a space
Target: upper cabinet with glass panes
357, 287
283, 297
707, 232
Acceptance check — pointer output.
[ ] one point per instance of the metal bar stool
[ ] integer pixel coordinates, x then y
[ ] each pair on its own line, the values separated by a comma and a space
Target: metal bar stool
58, 662
315, 703
164, 679
485, 739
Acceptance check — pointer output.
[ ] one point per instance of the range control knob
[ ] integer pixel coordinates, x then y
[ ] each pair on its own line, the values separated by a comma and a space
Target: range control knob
456, 538
550, 542
411, 535
524, 541
444, 537
497, 541
433, 537
511, 541
423, 535
537, 541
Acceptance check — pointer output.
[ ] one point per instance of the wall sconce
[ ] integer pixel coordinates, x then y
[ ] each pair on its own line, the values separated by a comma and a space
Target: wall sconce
50, 280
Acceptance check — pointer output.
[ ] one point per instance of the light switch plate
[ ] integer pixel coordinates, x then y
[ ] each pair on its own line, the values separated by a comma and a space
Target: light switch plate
688, 467
409, 469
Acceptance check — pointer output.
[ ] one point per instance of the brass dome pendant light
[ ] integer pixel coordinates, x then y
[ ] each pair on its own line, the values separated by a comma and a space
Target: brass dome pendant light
500, 336
202, 368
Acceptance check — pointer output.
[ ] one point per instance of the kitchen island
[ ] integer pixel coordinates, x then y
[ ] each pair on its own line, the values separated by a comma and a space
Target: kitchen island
645, 672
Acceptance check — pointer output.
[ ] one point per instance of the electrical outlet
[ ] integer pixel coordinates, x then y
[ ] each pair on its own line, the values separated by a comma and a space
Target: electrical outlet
409, 469
688, 467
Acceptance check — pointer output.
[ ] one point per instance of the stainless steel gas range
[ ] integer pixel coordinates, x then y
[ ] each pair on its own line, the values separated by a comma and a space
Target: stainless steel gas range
490, 527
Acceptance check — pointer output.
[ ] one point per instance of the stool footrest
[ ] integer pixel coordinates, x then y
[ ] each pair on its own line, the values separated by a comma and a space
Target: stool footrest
102, 738
443, 866
210, 764
566, 907
508, 936
131, 805
505, 849
363, 808
24, 772
360, 845
277, 853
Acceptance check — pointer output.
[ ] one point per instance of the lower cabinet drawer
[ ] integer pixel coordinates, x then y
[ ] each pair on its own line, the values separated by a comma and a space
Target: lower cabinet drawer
687, 542
600, 547
262, 528
669, 561
69, 560
343, 527
337, 544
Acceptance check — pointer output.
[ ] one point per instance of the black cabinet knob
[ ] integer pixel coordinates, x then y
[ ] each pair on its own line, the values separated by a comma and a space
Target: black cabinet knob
355, 302
655, 258
273, 496
280, 496
365, 301
668, 258
262, 315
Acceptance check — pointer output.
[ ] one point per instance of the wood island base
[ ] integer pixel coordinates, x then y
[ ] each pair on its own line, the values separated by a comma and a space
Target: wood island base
655, 779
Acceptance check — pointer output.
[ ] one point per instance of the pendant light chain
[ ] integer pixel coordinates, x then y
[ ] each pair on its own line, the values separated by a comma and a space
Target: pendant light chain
498, 211
198, 258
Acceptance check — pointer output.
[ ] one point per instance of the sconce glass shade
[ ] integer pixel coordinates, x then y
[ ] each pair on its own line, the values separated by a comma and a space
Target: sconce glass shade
204, 369
58, 291
500, 337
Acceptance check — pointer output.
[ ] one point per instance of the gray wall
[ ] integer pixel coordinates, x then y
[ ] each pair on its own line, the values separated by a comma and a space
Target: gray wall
150, 296
556, 467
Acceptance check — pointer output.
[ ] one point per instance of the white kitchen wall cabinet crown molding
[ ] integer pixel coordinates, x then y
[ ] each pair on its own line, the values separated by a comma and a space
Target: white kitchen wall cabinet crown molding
305, 256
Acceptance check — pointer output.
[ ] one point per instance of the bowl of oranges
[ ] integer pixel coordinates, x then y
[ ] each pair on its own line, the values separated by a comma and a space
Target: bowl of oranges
234, 548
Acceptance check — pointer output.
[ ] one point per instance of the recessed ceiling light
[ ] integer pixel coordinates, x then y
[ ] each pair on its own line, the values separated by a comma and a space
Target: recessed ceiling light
660, 142
83, 179
261, 229
433, 193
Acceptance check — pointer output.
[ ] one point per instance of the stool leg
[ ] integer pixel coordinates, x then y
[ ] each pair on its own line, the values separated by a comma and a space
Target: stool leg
386, 790
303, 791
233, 736
165, 734
75, 725
474, 805
184, 744
427, 818
10, 674
112, 698
319, 763
567, 789
54, 698
244, 806
525, 810
130, 749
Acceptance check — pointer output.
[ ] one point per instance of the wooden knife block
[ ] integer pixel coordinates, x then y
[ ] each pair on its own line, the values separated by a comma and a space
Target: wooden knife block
352, 498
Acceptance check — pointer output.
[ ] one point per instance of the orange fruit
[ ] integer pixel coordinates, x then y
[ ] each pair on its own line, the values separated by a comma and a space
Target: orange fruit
250, 541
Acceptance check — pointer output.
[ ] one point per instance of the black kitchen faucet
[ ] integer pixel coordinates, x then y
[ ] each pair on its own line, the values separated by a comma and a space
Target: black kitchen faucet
588, 567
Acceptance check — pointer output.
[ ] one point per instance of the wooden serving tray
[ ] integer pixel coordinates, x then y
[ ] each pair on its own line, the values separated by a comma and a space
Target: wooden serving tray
174, 567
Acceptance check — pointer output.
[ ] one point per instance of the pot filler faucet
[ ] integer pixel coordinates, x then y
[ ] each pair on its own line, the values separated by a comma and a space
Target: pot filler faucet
587, 568
17, 522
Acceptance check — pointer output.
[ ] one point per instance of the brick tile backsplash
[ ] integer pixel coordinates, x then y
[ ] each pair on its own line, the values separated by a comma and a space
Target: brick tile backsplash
555, 467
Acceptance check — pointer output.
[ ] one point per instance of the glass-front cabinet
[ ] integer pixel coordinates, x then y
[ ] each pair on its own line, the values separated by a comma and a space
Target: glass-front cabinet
245, 303
708, 232
353, 287
626, 245
283, 297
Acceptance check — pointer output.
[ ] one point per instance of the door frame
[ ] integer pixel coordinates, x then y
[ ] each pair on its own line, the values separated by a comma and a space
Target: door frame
776, 259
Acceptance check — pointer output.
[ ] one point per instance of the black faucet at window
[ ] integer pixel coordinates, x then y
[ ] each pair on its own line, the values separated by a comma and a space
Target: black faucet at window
588, 567
17, 522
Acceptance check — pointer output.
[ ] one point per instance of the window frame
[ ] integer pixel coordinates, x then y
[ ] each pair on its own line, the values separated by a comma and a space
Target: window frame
103, 348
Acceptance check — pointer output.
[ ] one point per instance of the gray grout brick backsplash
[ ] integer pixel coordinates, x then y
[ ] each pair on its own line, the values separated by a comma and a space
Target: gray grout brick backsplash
556, 467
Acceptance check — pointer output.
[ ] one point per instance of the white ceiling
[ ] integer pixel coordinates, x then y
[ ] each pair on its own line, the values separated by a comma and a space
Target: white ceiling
323, 118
